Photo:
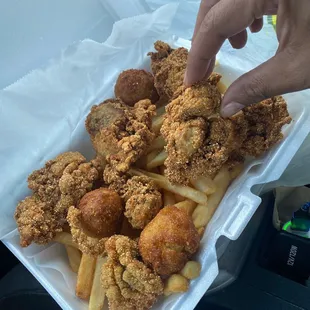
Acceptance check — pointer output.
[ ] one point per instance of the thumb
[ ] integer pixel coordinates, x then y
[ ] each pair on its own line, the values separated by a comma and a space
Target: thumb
277, 76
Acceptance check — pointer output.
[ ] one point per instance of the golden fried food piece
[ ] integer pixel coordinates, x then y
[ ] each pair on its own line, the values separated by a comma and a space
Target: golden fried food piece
169, 68
266, 120
45, 182
168, 242
163, 50
35, 222
134, 85
198, 140
121, 134
76, 181
143, 201
129, 284
200, 100
102, 212
86, 241
61, 183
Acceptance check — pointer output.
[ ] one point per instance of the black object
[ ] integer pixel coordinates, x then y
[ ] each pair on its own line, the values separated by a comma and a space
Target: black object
18, 288
260, 285
8, 260
288, 255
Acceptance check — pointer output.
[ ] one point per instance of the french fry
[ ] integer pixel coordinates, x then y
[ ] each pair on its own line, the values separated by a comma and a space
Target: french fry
216, 62
204, 184
201, 231
236, 171
157, 161
179, 198
176, 283
151, 156
187, 206
85, 277
191, 270
157, 123
74, 256
160, 111
182, 190
221, 87
97, 295
158, 144
169, 199
203, 213
65, 238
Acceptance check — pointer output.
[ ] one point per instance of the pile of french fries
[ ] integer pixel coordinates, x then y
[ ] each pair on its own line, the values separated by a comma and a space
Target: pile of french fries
199, 200
88, 269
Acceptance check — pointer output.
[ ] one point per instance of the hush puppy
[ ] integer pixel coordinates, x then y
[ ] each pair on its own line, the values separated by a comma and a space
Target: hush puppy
102, 212
168, 241
134, 85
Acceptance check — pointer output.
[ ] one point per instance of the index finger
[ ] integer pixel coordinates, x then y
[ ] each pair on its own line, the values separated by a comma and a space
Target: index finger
204, 8
225, 19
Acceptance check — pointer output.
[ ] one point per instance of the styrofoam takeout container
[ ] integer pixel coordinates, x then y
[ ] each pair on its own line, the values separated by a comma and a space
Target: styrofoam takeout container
43, 114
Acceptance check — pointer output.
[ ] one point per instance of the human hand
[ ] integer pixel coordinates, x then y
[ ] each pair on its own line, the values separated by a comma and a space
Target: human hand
287, 71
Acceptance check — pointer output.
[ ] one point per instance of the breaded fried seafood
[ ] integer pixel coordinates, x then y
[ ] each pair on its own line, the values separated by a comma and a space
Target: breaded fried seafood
129, 284
143, 201
61, 183
121, 134
168, 66
199, 141
265, 122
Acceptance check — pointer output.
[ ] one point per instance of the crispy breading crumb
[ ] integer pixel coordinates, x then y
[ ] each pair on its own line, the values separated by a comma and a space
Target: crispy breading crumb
59, 184
87, 244
129, 284
199, 141
265, 120
143, 201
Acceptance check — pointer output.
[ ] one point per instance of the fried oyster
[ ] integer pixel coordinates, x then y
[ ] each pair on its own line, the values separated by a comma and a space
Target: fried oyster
129, 284
61, 183
199, 141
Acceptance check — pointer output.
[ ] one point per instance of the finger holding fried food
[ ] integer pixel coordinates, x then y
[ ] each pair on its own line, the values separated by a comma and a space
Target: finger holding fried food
85, 277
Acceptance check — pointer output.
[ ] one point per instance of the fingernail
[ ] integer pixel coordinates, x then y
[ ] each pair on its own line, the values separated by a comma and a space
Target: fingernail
231, 109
